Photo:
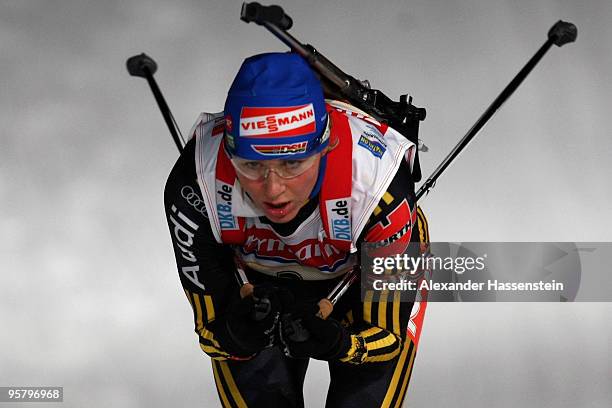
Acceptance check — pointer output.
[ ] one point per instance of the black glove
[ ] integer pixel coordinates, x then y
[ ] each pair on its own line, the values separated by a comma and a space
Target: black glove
251, 322
248, 336
270, 301
305, 335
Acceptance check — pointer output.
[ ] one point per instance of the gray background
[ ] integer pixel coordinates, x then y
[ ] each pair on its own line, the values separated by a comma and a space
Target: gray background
89, 294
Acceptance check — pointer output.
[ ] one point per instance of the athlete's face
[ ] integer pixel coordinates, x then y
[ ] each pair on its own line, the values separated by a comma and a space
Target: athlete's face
281, 198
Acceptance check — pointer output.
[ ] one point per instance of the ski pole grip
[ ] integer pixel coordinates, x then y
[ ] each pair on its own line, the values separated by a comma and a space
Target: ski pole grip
258, 14
141, 65
246, 290
326, 308
562, 33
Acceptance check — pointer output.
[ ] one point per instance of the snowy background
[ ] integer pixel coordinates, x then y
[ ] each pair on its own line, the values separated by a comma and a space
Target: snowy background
89, 294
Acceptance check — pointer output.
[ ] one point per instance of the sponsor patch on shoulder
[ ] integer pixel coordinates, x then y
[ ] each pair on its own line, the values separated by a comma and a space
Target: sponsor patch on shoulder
191, 196
227, 221
371, 139
339, 218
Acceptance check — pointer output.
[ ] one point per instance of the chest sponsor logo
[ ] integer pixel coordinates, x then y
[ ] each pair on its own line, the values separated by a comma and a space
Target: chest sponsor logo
277, 121
309, 252
224, 206
194, 200
371, 139
339, 218
183, 233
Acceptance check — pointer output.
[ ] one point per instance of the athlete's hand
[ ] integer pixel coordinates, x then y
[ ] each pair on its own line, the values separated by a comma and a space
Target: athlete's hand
248, 335
305, 335
252, 321
269, 302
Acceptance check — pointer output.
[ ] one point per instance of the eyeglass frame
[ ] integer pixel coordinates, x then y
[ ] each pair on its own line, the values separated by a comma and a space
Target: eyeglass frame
268, 169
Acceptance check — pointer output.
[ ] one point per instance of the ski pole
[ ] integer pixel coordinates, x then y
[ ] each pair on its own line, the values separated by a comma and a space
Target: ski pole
143, 66
560, 34
326, 305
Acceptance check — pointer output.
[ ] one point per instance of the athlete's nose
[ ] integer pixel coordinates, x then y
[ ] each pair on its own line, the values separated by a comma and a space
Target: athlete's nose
274, 185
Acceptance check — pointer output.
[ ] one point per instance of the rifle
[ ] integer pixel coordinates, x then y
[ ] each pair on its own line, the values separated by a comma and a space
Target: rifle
401, 115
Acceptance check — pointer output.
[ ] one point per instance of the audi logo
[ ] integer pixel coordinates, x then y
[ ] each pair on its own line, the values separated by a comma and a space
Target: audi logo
188, 193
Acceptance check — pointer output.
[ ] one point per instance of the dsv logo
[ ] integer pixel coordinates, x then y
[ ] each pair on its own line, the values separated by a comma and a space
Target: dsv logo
194, 200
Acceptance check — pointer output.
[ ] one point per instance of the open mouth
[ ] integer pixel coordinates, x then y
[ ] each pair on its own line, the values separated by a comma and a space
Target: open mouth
277, 206
277, 210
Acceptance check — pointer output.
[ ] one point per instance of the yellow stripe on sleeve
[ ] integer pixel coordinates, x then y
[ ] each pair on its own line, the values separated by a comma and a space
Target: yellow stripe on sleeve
208, 335
377, 345
198, 310
210, 310
370, 332
382, 357
214, 352
423, 225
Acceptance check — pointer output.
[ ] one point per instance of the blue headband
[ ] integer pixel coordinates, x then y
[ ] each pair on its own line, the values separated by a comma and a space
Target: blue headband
275, 109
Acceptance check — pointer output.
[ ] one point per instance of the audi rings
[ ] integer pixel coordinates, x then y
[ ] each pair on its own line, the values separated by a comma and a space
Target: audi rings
189, 194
